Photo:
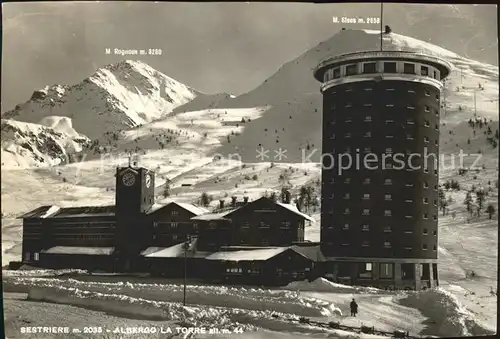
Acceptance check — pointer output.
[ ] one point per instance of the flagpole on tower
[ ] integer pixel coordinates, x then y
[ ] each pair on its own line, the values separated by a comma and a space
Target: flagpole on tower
381, 25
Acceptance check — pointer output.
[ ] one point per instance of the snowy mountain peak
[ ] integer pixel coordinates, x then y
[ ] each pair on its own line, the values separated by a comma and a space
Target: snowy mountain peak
116, 97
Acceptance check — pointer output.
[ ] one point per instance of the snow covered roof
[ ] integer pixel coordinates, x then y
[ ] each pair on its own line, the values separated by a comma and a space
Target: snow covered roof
41, 212
310, 252
294, 209
196, 210
214, 216
248, 255
176, 251
80, 250
85, 211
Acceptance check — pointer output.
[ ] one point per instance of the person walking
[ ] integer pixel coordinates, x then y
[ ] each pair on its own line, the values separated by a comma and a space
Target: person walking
354, 308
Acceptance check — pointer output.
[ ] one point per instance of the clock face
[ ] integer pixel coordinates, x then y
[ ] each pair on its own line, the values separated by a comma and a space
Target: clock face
128, 179
148, 181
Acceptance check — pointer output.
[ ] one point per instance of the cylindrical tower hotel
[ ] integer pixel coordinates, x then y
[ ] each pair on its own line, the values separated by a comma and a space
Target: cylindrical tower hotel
379, 206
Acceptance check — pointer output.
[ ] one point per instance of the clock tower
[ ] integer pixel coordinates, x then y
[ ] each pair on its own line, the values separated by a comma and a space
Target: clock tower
134, 197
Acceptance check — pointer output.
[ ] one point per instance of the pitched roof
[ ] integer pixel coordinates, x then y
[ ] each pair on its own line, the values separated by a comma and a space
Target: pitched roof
214, 216
310, 252
40, 212
85, 211
248, 255
175, 251
79, 250
294, 209
196, 210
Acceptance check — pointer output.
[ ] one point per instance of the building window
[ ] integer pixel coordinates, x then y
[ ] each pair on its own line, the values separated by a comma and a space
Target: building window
426, 140
211, 224
368, 89
366, 211
368, 119
424, 70
368, 135
409, 137
427, 123
411, 91
427, 93
387, 213
388, 197
174, 237
387, 229
155, 224
425, 231
285, 224
346, 196
387, 244
426, 200
332, 122
347, 180
365, 244
348, 105
436, 75
347, 135
410, 106
389, 105
390, 67
389, 136
348, 89
366, 181
434, 233
408, 68
332, 136
347, 211
345, 227
348, 121
347, 150
426, 216
367, 105
370, 67
434, 248
336, 73
36, 256
426, 184
408, 248
388, 182
408, 216
424, 247
366, 196
175, 212
386, 271
367, 150
195, 225
388, 150
173, 225
345, 244
427, 109
390, 121
435, 217
410, 122
351, 70
365, 228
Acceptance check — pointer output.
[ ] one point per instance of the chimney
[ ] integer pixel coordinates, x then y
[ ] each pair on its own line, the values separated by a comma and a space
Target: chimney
233, 201
221, 203
245, 200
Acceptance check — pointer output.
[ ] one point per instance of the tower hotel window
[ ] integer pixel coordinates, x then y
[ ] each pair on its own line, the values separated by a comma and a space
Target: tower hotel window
351, 69
408, 68
370, 67
424, 70
336, 73
390, 67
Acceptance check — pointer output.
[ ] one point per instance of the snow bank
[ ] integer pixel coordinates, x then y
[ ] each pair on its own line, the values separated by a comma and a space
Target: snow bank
324, 285
27, 271
219, 296
447, 316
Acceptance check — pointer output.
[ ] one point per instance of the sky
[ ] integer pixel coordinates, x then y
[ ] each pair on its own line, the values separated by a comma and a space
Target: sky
212, 47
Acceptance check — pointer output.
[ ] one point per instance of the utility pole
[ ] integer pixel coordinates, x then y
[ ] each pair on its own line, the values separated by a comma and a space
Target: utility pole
475, 111
186, 248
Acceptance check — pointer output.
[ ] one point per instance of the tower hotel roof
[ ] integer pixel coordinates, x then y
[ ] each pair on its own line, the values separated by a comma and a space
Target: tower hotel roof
442, 65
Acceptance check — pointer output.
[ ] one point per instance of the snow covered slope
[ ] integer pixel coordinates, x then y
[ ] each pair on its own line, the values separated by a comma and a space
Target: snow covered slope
294, 119
34, 145
115, 97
